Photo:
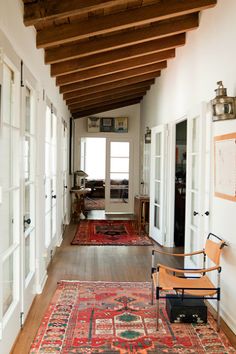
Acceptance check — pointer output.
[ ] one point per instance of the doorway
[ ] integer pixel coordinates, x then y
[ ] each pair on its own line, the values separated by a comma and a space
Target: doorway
180, 183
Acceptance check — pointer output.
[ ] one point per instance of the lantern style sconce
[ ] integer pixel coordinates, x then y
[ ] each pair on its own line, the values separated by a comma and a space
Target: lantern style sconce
223, 107
147, 136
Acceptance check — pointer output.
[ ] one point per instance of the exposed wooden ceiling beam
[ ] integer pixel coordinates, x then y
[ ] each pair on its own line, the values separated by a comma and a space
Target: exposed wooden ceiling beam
105, 108
118, 55
144, 85
123, 75
95, 100
119, 21
148, 78
99, 45
115, 67
105, 102
41, 11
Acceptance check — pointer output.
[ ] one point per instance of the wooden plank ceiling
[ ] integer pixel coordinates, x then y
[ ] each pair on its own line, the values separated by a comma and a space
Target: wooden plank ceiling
106, 54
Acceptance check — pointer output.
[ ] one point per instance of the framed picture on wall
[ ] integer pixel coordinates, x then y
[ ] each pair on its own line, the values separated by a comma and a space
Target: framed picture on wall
107, 125
121, 125
93, 124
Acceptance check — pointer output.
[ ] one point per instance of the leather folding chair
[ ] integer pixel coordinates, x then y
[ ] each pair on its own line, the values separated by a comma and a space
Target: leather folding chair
192, 282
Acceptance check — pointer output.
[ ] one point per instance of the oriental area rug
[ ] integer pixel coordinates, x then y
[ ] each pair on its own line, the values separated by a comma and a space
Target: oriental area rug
109, 232
117, 318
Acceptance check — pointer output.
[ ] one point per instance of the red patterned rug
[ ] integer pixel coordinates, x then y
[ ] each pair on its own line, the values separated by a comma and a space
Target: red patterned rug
109, 232
117, 318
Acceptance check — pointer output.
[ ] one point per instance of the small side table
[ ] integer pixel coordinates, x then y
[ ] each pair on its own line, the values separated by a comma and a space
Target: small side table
141, 212
77, 201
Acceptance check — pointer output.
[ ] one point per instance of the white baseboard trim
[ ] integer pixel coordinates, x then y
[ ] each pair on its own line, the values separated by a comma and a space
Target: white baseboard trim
40, 286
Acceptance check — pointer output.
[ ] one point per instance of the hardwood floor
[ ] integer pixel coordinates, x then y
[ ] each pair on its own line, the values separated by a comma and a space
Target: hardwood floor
108, 263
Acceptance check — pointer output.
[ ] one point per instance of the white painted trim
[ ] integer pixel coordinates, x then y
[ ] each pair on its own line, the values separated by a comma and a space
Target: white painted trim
41, 284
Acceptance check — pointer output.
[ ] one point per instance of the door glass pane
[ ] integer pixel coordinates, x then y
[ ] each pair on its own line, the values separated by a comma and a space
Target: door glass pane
157, 216
7, 285
195, 137
194, 219
15, 156
119, 149
27, 158
119, 164
48, 125
27, 255
5, 157
158, 168
119, 171
193, 245
27, 110
157, 193
6, 228
8, 79
158, 144
27, 219
194, 172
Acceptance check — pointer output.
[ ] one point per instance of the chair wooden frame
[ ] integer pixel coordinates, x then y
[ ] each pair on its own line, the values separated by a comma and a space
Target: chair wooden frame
192, 282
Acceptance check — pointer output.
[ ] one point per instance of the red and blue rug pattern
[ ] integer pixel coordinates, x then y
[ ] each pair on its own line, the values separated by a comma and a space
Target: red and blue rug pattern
109, 232
117, 318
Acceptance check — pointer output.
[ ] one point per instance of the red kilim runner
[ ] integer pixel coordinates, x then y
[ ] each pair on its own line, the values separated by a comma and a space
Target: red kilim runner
117, 318
109, 232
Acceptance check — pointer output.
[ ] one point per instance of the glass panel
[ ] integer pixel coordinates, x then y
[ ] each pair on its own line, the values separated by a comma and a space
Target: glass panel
119, 164
119, 149
48, 125
7, 285
193, 246
27, 208
47, 160
54, 221
5, 157
27, 255
195, 137
158, 168
8, 78
6, 228
157, 216
27, 110
119, 176
47, 229
15, 156
158, 144
27, 158
119, 189
194, 172
48, 199
157, 193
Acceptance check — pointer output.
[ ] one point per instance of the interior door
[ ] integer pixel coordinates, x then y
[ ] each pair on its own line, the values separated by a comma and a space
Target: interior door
195, 185
28, 244
118, 189
157, 184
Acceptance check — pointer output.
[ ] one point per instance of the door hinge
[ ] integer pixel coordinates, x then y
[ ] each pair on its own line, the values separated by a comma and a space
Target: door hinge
21, 74
21, 319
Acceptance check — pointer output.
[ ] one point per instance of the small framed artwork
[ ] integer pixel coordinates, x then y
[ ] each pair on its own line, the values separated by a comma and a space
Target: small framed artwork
93, 124
121, 125
225, 166
107, 125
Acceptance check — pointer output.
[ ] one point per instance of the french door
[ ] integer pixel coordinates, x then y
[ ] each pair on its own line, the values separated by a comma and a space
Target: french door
64, 169
157, 184
10, 206
50, 175
119, 172
197, 193
28, 197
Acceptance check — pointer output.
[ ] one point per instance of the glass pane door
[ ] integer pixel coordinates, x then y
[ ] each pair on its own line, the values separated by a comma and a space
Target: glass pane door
119, 162
157, 186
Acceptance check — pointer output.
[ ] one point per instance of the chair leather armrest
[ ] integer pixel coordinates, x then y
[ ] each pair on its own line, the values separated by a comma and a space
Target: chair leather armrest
178, 254
191, 271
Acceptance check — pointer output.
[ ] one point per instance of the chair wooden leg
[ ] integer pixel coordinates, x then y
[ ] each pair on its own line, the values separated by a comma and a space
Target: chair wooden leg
158, 313
218, 315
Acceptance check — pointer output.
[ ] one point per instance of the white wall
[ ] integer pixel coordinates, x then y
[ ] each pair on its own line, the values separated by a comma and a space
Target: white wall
18, 43
208, 56
133, 114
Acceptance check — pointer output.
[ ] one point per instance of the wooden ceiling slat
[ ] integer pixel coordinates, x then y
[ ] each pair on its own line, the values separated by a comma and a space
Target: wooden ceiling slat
114, 77
137, 86
91, 102
115, 67
38, 12
99, 45
127, 19
105, 102
118, 55
105, 108
148, 78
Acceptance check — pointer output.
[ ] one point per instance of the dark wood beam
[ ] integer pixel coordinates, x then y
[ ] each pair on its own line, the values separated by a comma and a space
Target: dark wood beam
106, 108
105, 87
118, 55
113, 22
120, 90
106, 102
123, 75
39, 12
99, 45
115, 67
92, 102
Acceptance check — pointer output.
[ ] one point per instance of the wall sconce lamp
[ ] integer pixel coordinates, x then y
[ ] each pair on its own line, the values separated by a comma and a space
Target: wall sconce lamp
223, 107
147, 136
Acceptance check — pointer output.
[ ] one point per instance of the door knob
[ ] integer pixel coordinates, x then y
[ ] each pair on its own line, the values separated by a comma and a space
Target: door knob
65, 187
195, 213
207, 213
54, 196
27, 221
